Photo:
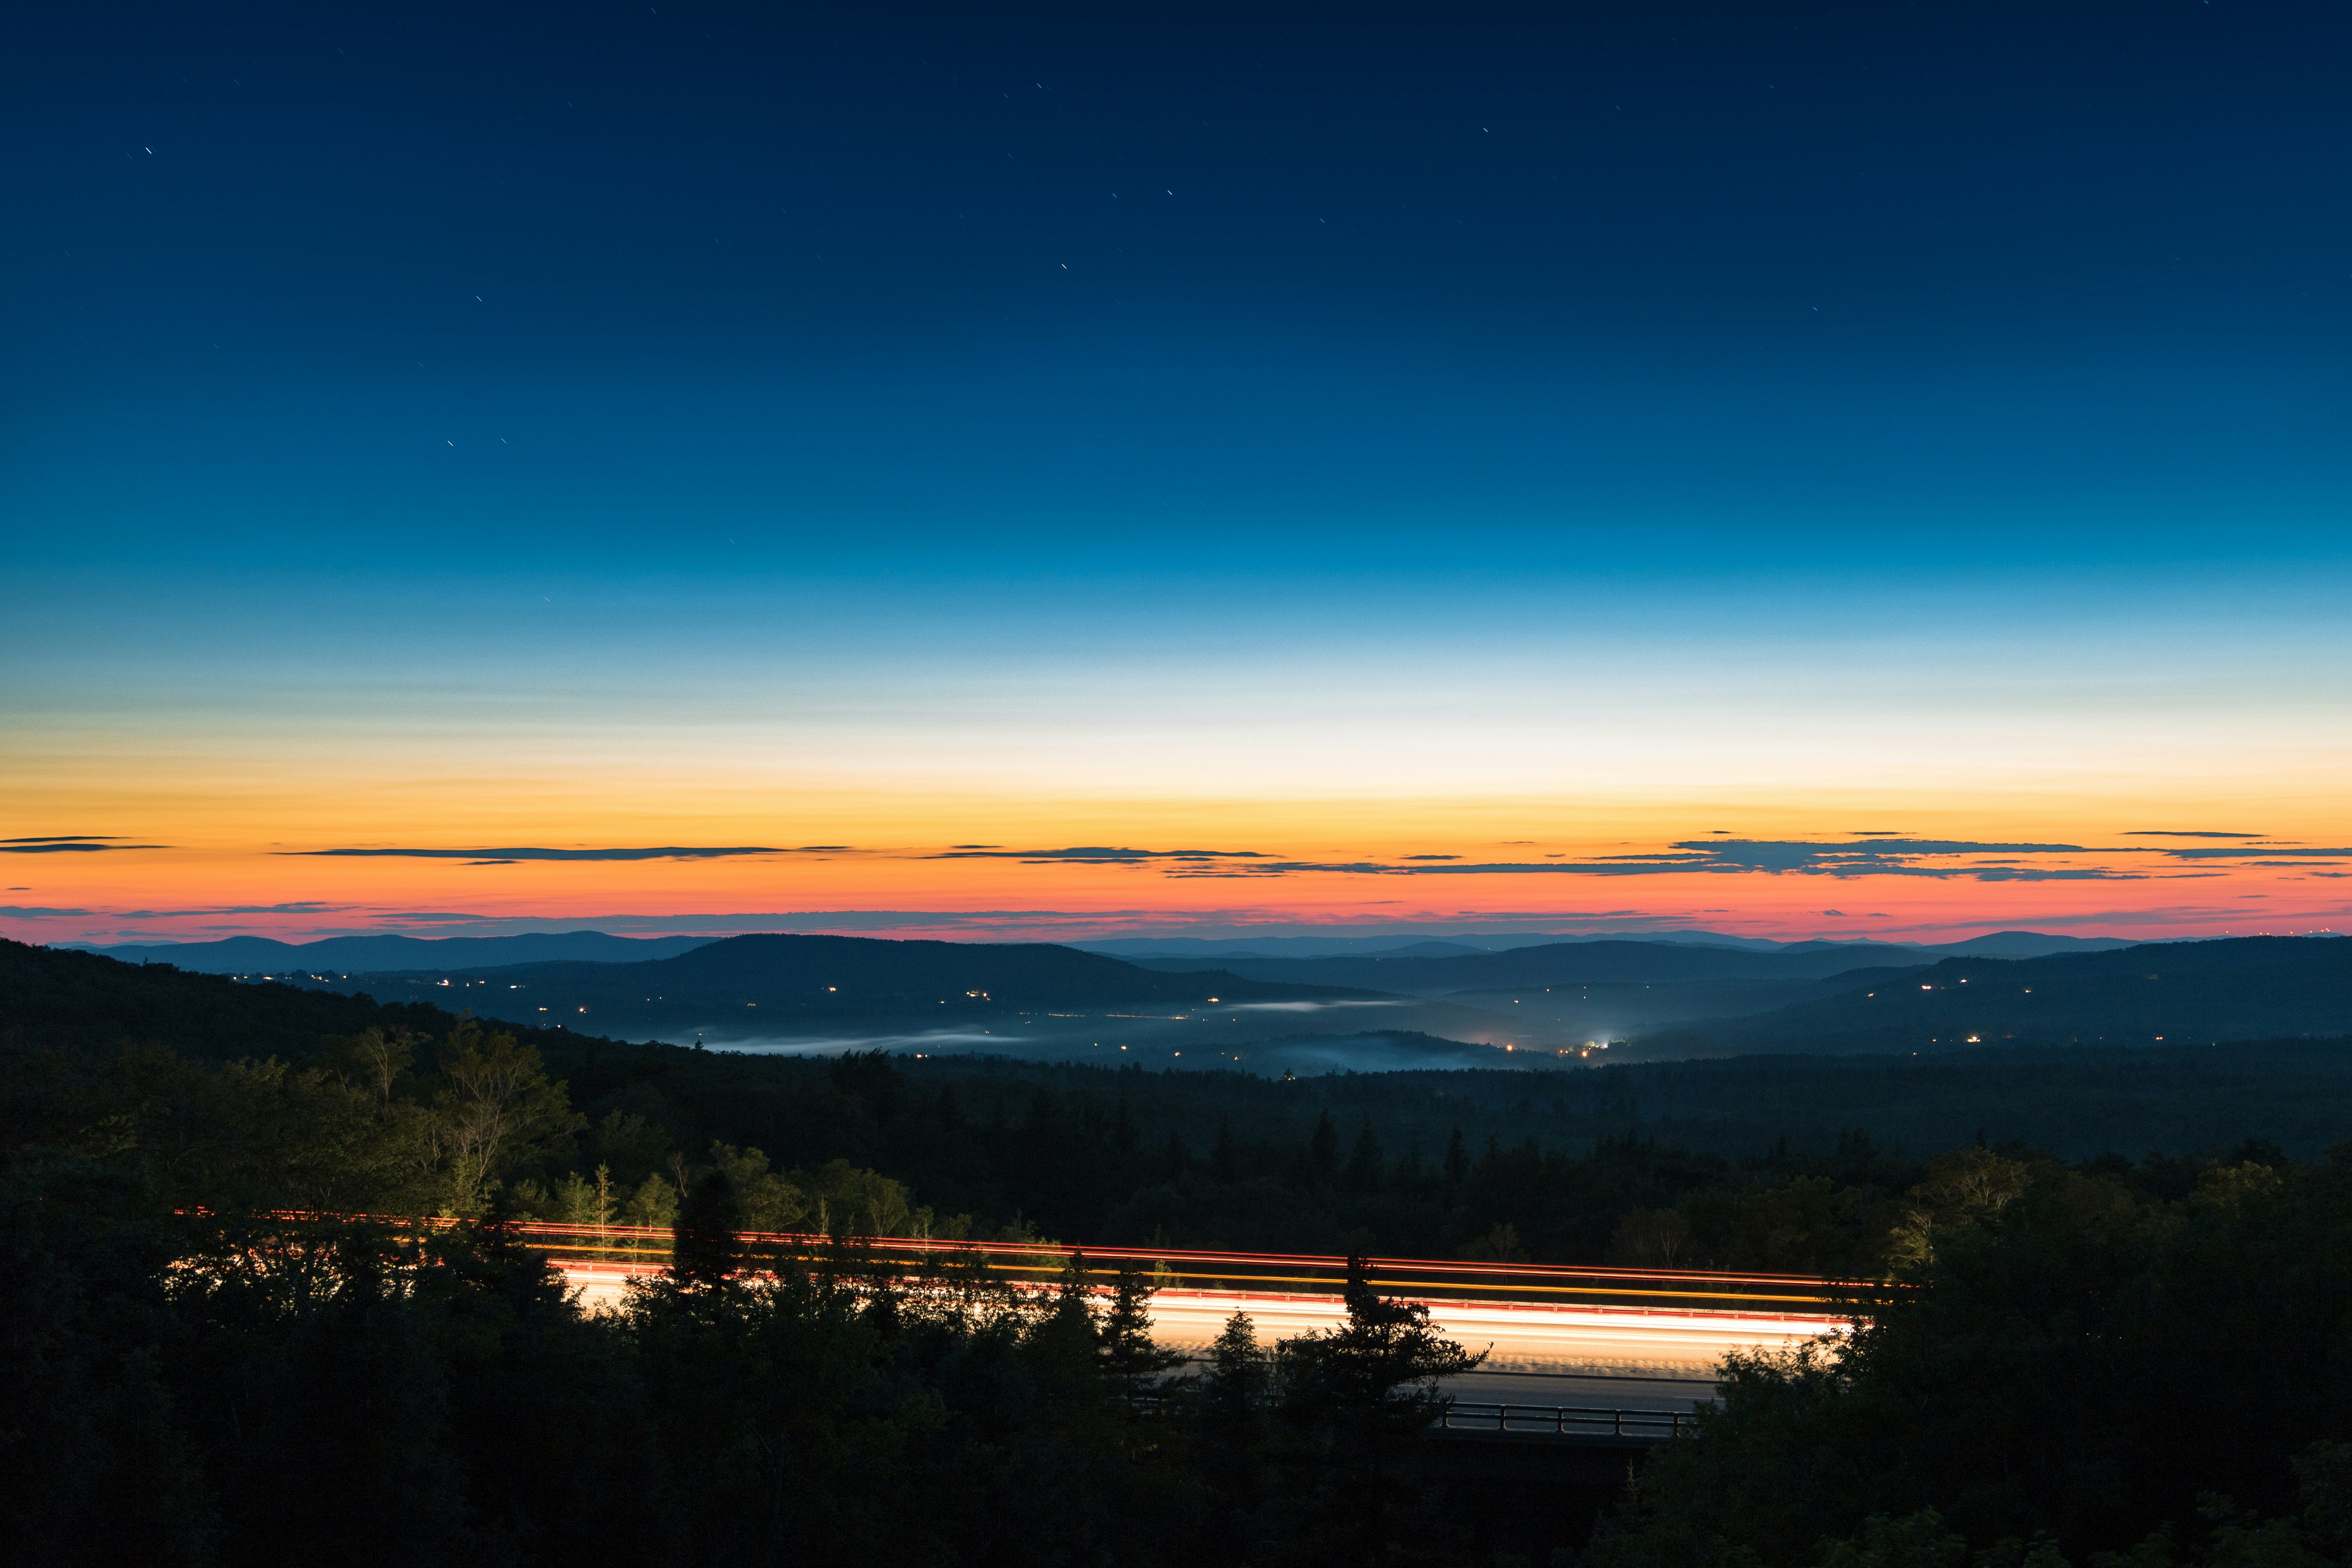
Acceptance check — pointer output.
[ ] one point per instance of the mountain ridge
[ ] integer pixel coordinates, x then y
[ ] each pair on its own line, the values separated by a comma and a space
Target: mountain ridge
2213, 992
765, 981
388, 952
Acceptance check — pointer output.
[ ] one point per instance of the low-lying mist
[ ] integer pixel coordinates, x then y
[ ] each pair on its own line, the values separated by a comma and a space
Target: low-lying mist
1386, 1050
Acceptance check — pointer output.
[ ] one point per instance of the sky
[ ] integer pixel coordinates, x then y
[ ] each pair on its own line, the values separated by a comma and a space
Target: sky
1013, 473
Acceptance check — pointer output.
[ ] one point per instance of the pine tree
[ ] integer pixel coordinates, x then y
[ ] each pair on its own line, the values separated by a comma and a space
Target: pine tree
1358, 1397
706, 1251
1224, 1160
1125, 1335
1323, 1149
1364, 1163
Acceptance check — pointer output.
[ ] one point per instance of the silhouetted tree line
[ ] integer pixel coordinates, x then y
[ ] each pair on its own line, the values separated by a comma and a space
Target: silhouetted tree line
238, 1389
2110, 1366
1005, 1150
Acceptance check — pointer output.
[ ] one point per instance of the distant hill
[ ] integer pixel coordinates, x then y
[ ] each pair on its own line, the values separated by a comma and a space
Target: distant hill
259, 955
55, 998
2188, 993
747, 984
2026, 944
2004, 945
1133, 948
2075, 1100
1560, 963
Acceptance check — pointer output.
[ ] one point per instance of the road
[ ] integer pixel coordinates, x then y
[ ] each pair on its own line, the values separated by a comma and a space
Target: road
1538, 1354
1528, 1346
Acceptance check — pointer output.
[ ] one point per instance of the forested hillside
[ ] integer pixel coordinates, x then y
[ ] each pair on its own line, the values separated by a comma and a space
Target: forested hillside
2202, 993
200, 1378
751, 984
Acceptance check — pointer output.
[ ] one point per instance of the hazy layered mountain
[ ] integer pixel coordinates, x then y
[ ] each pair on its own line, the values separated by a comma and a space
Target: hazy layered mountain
2189, 992
253, 955
1308, 946
1560, 963
2004, 945
752, 984
257, 955
2027, 944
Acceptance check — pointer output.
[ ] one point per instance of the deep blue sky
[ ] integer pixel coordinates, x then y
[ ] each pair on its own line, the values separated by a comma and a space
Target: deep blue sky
1078, 292
1334, 434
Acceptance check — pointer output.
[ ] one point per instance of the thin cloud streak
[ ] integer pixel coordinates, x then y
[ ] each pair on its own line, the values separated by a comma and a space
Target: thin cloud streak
509, 857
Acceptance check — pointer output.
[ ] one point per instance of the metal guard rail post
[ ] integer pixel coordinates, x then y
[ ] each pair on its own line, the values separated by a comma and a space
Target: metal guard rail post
1569, 1421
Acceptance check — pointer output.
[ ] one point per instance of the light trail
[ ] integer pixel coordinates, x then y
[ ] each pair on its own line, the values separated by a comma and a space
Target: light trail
1533, 1320
1521, 1338
1529, 1318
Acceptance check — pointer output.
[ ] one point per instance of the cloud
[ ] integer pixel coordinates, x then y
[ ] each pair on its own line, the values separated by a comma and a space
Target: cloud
454, 924
1788, 855
2267, 852
1943, 859
22, 912
1095, 855
991, 924
508, 856
301, 909
69, 844
2023, 874
2181, 833
1869, 852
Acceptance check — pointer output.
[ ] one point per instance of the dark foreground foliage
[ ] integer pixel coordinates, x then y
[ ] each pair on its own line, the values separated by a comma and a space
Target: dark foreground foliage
2108, 1365
216, 1390
2115, 1363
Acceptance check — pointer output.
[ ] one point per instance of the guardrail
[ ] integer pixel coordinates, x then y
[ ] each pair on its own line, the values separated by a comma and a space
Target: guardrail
1569, 1421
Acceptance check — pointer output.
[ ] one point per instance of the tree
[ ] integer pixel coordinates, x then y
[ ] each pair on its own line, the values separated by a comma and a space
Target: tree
766, 1202
1358, 1397
855, 1202
581, 1201
376, 1059
654, 1204
1224, 1160
1323, 1149
1364, 1162
1962, 1187
1651, 1238
1457, 1163
706, 1248
1125, 1335
2076, 1356
1233, 1400
497, 1109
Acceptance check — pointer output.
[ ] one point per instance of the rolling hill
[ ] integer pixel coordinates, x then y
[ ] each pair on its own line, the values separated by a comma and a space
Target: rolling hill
260, 955
2189, 992
756, 984
1558, 964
